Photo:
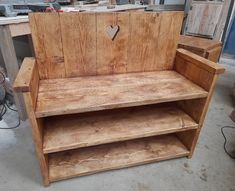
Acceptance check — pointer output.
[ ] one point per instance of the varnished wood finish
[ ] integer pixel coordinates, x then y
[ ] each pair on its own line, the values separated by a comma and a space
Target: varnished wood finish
204, 73
114, 156
37, 132
74, 131
77, 44
80, 71
78, 33
200, 62
47, 41
76, 95
24, 78
214, 54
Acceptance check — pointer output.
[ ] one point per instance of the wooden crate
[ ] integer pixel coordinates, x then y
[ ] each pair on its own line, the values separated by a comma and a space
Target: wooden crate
206, 48
98, 103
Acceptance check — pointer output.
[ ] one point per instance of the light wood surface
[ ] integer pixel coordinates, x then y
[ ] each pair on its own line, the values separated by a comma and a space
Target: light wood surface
24, 78
75, 131
203, 18
20, 29
205, 74
66, 109
209, 49
76, 95
37, 132
114, 156
198, 44
200, 62
77, 44
214, 54
13, 20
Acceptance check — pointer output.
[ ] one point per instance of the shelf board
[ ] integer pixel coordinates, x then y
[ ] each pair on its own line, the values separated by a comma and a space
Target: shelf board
93, 93
89, 129
91, 160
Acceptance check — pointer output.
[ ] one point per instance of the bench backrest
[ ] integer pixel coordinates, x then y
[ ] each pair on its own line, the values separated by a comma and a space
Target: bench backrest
80, 44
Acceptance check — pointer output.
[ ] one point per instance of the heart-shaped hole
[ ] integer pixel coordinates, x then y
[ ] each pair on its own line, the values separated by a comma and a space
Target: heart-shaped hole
112, 31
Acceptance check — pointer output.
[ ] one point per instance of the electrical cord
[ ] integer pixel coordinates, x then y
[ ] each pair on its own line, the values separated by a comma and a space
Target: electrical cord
4, 105
225, 140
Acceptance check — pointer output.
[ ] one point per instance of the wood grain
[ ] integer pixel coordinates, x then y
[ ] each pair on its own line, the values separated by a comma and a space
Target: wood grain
75, 131
197, 44
106, 92
37, 132
112, 54
214, 54
24, 77
114, 156
47, 40
79, 43
203, 18
199, 61
204, 73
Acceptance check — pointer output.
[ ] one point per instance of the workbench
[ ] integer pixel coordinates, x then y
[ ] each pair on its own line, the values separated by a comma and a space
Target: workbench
12, 27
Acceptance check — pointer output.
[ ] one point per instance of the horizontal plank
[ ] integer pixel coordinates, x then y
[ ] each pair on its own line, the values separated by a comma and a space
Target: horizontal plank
199, 61
75, 131
19, 29
83, 94
91, 160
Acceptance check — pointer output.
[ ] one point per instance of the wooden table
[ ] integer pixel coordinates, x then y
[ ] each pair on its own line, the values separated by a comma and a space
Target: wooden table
9, 28
206, 48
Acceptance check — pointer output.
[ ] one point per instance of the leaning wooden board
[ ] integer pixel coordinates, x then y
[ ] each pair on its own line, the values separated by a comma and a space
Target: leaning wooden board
86, 91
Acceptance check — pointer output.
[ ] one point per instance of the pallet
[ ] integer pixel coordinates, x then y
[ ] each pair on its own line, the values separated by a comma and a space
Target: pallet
97, 103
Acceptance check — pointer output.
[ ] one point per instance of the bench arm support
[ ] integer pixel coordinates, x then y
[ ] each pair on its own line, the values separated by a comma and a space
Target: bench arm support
28, 78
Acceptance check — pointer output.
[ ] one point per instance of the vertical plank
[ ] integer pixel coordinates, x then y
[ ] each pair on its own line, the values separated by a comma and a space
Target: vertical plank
196, 108
112, 54
40, 53
121, 43
12, 66
168, 38
153, 40
79, 43
36, 126
151, 36
137, 44
173, 38
214, 54
203, 18
49, 36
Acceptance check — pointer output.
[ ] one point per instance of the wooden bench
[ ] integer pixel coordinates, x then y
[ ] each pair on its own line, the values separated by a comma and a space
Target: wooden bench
99, 102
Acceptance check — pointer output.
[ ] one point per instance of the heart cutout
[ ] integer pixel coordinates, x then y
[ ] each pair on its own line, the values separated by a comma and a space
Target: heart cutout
112, 31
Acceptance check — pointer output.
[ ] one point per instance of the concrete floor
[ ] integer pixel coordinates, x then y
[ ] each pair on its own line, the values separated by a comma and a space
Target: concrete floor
209, 169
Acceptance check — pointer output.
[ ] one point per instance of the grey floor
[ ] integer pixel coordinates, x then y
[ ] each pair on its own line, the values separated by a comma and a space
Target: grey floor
209, 169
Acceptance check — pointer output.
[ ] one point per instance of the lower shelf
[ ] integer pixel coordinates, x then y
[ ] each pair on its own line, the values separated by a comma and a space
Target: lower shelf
89, 160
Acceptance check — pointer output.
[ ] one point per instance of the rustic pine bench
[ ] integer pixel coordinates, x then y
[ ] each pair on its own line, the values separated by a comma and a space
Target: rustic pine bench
110, 90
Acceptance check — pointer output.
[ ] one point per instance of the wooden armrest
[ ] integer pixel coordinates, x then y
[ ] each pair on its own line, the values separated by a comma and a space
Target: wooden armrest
200, 61
28, 74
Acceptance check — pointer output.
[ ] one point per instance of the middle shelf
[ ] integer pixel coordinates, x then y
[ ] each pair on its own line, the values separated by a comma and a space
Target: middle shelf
95, 128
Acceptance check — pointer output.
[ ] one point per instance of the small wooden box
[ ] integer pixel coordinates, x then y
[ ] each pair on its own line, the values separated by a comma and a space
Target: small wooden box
206, 48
